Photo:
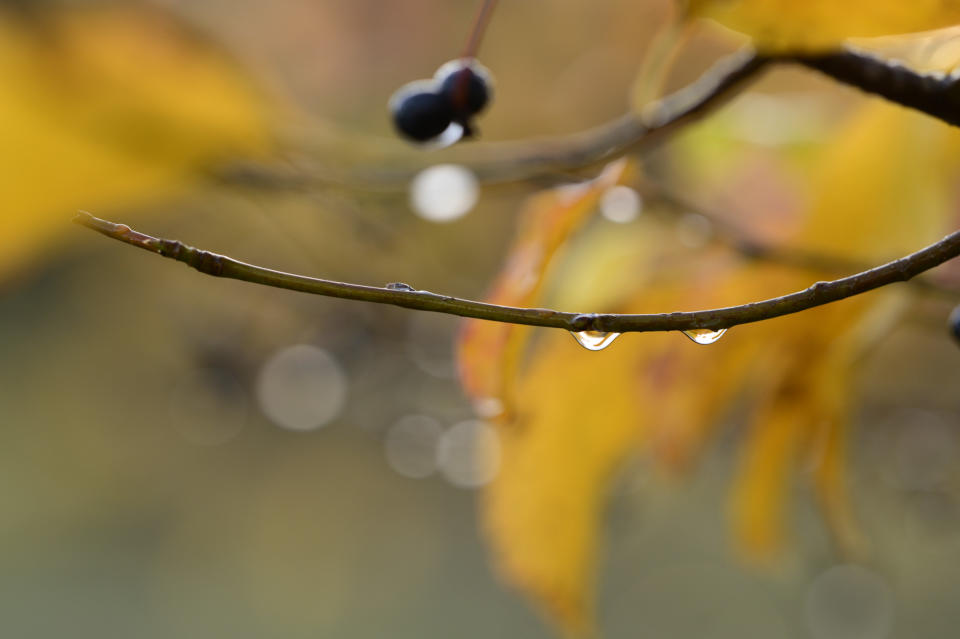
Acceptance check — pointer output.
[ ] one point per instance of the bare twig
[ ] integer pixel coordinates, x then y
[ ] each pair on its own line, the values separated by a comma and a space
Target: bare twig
818, 294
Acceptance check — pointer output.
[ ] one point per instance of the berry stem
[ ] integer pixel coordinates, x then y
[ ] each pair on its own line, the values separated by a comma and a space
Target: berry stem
479, 28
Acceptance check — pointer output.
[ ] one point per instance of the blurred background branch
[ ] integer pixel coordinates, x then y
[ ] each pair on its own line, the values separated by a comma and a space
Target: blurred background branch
934, 93
530, 159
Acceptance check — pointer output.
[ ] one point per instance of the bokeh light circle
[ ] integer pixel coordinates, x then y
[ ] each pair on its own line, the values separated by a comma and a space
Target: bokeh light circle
301, 388
444, 192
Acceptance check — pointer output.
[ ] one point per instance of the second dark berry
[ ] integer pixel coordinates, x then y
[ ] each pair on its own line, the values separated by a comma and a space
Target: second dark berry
419, 113
468, 86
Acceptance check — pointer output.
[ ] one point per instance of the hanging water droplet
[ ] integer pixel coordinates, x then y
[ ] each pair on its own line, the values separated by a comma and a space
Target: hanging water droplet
704, 335
594, 340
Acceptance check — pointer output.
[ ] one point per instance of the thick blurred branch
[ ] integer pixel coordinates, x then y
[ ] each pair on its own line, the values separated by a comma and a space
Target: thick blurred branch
818, 294
629, 133
519, 161
934, 93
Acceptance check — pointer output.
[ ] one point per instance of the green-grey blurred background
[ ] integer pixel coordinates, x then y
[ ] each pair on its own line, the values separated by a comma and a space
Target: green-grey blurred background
155, 481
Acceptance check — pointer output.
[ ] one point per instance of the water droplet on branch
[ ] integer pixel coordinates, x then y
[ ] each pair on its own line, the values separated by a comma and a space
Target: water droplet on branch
704, 335
594, 340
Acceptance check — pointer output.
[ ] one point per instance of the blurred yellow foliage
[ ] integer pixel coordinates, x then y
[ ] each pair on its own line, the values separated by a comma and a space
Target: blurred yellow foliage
110, 106
572, 417
489, 355
816, 25
547, 221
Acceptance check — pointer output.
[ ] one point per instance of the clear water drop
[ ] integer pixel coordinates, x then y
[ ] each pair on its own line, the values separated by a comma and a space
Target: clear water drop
594, 340
704, 335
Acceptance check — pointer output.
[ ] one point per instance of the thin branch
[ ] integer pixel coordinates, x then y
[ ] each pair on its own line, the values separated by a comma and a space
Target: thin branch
818, 294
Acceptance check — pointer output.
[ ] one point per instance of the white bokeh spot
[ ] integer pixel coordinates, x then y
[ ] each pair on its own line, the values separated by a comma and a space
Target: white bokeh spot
301, 388
411, 446
444, 192
469, 454
621, 204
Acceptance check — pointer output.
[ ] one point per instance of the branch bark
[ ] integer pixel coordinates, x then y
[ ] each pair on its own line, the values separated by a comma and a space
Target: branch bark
934, 93
818, 294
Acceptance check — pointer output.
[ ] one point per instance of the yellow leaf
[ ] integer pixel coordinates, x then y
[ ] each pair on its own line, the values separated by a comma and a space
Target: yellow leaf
108, 107
761, 490
815, 25
488, 350
542, 509
803, 407
880, 192
880, 188
522, 511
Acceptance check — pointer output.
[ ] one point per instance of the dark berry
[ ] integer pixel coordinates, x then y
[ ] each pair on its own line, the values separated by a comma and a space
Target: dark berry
468, 86
955, 323
419, 112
